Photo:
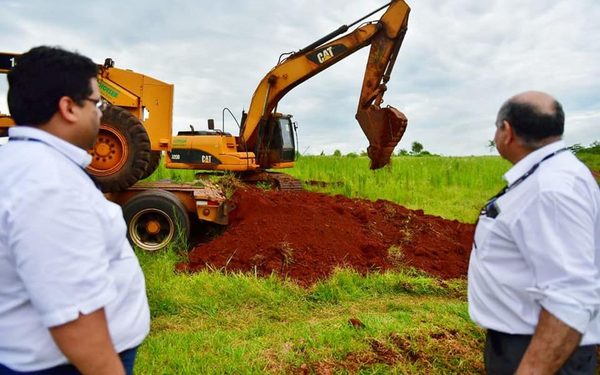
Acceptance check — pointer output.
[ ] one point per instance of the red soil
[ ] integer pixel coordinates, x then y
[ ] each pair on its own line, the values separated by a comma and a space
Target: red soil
303, 236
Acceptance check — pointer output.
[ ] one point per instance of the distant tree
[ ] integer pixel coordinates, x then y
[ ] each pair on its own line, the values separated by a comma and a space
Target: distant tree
576, 148
402, 152
593, 148
364, 153
322, 153
491, 145
351, 155
337, 153
416, 148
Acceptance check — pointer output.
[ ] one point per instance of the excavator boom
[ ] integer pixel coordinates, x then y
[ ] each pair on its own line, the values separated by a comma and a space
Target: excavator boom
383, 126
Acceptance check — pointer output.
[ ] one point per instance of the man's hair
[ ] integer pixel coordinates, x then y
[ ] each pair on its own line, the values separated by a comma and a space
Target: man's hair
41, 77
531, 125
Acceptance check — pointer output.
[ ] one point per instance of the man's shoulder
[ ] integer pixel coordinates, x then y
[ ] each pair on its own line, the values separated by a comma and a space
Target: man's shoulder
563, 172
25, 168
567, 180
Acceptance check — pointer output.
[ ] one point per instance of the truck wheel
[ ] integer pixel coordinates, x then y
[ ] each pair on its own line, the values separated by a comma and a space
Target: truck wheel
122, 151
156, 218
153, 163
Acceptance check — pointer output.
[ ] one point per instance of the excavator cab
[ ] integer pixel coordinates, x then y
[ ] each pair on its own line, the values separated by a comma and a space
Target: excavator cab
276, 146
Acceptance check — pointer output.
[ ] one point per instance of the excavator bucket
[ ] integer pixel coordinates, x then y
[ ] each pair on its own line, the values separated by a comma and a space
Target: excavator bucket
384, 127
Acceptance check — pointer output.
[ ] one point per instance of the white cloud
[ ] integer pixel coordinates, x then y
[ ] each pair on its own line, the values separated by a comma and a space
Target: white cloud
460, 60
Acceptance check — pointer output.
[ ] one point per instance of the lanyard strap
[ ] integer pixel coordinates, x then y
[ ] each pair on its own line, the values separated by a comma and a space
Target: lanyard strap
26, 139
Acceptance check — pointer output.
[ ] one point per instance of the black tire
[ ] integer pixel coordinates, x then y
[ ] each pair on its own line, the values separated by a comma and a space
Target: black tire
122, 151
155, 219
153, 163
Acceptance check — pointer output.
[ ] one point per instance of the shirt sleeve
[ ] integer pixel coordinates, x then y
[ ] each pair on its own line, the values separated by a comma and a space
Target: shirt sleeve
59, 250
556, 236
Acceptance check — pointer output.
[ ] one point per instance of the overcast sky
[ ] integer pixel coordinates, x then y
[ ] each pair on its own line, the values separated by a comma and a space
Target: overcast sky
460, 60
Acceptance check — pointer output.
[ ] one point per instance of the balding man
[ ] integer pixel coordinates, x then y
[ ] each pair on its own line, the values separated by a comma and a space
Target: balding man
534, 279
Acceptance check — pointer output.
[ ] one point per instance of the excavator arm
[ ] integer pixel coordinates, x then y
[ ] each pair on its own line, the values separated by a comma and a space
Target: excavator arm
383, 126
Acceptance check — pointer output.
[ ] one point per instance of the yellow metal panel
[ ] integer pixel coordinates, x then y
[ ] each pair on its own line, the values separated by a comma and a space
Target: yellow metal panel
116, 94
158, 101
5, 123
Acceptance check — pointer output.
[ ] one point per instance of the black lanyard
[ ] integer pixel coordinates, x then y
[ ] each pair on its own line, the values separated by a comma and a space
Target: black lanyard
28, 139
490, 209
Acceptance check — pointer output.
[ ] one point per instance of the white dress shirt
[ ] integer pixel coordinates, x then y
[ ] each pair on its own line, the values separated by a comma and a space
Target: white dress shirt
542, 249
63, 252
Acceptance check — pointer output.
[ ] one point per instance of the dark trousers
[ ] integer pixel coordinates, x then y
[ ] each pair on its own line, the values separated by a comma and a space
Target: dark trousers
503, 353
127, 357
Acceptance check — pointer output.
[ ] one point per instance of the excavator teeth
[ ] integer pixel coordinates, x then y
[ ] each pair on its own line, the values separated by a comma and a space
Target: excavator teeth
384, 127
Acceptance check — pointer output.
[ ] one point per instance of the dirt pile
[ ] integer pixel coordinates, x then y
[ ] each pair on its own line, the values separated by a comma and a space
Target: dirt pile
304, 236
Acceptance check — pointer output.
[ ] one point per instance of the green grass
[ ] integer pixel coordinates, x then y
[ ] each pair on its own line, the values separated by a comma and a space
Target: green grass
451, 187
216, 323
591, 160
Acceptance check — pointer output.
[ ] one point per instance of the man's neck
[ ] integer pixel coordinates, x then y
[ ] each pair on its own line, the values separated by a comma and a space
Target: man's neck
520, 151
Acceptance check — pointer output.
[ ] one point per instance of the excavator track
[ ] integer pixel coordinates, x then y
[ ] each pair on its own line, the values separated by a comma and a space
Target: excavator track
276, 180
285, 182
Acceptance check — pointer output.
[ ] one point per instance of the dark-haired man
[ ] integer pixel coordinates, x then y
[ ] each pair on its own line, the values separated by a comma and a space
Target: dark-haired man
72, 294
534, 273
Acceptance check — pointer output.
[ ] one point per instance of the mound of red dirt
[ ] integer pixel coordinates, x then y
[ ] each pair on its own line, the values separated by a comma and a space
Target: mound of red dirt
304, 236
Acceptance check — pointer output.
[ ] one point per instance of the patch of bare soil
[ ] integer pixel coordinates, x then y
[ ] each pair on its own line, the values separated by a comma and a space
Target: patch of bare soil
440, 350
304, 236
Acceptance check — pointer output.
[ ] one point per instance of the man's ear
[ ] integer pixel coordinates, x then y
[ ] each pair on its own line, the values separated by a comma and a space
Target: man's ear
67, 109
508, 133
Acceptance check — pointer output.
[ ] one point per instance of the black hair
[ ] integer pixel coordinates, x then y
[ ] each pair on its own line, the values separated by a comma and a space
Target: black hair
41, 77
530, 124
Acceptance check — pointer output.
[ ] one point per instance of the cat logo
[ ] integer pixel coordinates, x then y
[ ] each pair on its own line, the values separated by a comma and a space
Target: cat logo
326, 54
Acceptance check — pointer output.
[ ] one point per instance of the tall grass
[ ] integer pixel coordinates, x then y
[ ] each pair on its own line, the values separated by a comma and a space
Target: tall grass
591, 160
452, 187
177, 175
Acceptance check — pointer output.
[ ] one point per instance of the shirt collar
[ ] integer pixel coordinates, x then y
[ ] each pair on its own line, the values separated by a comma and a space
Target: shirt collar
528, 161
78, 155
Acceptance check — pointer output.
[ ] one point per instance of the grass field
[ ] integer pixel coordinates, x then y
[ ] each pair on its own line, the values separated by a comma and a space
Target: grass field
402, 322
451, 187
218, 323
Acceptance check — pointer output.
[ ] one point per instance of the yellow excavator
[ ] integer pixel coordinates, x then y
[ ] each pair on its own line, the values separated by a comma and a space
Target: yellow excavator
137, 127
266, 139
